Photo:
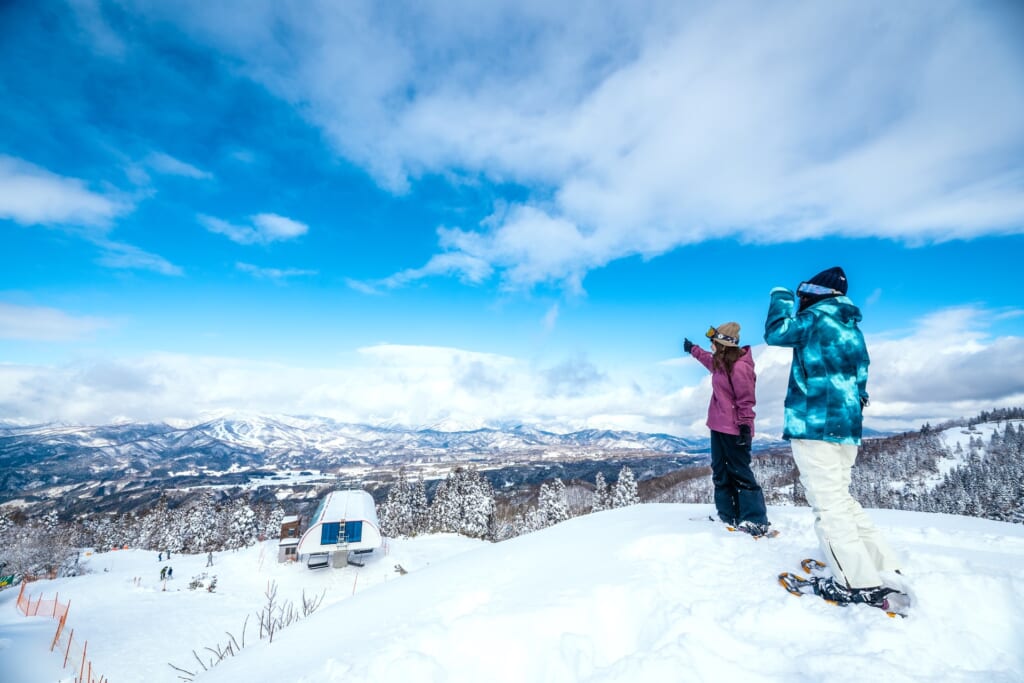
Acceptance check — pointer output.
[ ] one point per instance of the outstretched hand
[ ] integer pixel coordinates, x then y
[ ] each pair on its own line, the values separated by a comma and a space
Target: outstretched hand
687, 345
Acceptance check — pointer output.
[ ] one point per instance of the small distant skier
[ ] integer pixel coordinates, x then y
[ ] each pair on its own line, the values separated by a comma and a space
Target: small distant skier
170, 572
163, 574
209, 559
160, 557
823, 419
739, 499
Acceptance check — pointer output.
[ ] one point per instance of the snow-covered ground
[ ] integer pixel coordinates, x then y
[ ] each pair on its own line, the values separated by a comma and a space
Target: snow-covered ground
636, 594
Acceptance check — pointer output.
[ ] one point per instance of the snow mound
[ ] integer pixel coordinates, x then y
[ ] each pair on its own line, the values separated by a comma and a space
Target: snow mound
644, 593
647, 594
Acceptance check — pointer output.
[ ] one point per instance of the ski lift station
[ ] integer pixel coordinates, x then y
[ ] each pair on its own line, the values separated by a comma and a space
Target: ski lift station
345, 521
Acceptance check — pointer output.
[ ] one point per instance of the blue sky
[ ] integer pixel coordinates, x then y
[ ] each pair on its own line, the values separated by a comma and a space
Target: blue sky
478, 212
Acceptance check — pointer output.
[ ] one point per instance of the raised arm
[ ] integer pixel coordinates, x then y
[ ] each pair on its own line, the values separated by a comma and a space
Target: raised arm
783, 327
706, 358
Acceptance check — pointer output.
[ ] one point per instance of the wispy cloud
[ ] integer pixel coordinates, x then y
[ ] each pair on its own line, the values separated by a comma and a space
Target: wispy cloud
31, 195
551, 318
166, 164
469, 268
273, 273
128, 257
648, 126
264, 228
89, 14
36, 323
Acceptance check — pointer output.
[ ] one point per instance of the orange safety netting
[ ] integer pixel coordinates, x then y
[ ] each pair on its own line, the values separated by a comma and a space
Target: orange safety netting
75, 657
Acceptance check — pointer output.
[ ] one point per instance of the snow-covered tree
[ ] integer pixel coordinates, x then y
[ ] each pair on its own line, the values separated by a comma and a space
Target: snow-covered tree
395, 514
463, 504
552, 506
404, 512
40, 547
625, 491
602, 495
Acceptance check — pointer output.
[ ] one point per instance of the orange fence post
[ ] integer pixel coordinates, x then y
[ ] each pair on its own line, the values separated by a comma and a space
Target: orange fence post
56, 636
71, 636
21, 594
81, 670
56, 599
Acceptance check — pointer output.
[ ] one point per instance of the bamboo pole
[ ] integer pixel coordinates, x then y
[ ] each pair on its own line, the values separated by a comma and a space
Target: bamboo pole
81, 669
71, 636
56, 636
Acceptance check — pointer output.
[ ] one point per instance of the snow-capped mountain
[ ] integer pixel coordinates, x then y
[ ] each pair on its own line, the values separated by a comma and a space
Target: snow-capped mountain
89, 462
274, 438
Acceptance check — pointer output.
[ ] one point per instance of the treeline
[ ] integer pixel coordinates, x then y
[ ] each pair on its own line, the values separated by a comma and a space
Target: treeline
48, 546
910, 471
465, 503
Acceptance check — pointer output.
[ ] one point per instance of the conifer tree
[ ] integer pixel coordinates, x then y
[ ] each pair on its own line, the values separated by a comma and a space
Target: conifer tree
625, 492
463, 504
602, 495
552, 506
395, 515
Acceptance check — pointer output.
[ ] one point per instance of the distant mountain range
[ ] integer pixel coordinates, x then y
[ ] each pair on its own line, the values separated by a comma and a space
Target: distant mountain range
49, 457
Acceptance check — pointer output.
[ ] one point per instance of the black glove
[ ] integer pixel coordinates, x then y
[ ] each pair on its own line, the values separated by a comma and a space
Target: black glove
687, 345
744, 438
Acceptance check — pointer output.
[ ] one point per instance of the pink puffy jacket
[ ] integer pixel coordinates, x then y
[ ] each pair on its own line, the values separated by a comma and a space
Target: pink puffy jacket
732, 404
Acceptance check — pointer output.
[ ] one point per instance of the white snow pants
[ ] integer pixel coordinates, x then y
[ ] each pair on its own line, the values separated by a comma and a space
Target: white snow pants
853, 548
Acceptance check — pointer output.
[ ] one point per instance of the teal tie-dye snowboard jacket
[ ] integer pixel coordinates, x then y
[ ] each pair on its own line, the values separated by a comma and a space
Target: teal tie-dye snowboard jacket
829, 375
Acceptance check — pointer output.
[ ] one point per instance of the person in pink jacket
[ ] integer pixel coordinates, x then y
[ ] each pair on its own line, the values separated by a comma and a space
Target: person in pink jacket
738, 497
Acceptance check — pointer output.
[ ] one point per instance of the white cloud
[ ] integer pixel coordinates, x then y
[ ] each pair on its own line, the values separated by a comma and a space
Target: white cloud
31, 195
127, 257
947, 366
551, 318
36, 323
273, 273
265, 228
643, 126
89, 14
168, 165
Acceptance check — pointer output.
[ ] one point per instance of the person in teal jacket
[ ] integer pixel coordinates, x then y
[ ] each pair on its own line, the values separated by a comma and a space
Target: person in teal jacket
823, 421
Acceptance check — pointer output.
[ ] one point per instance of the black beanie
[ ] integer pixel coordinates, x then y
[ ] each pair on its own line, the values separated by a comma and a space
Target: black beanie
833, 278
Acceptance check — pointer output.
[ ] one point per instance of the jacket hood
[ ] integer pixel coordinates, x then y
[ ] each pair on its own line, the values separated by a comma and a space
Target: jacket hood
838, 307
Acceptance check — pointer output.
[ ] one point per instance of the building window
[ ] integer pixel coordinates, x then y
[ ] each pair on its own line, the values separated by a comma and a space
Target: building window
329, 533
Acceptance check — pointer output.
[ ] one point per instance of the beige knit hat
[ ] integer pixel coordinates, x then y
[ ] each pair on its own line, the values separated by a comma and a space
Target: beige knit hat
726, 334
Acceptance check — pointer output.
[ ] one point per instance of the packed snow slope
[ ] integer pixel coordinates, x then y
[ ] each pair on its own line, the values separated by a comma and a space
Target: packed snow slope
637, 594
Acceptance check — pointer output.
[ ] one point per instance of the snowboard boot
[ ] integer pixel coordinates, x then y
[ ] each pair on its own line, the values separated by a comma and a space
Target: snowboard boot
882, 597
753, 528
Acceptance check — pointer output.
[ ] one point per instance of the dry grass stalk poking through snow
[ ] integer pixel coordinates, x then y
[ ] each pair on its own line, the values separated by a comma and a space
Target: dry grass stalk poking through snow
273, 617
